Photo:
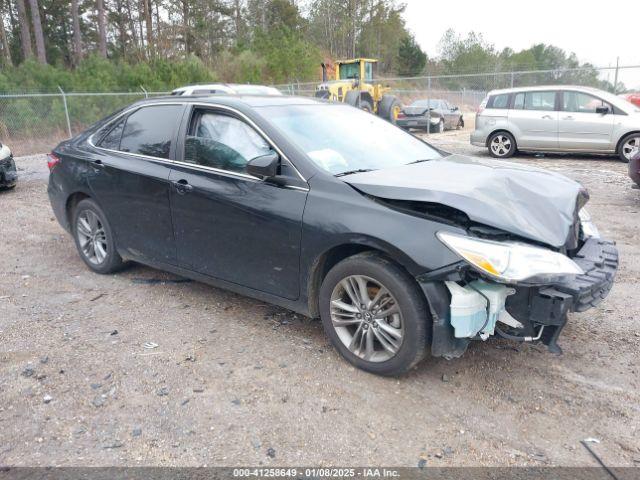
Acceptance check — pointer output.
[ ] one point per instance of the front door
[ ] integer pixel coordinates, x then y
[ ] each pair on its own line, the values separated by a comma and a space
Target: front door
230, 225
130, 180
581, 127
535, 120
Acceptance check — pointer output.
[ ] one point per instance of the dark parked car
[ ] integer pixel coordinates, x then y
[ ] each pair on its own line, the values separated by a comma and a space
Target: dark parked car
321, 208
634, 168
8, 173
438, 114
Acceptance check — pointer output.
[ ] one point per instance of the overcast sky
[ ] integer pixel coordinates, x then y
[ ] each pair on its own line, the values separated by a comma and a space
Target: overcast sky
596, 32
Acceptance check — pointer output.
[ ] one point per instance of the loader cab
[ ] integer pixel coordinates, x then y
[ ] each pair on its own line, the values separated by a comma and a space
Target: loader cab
356, 69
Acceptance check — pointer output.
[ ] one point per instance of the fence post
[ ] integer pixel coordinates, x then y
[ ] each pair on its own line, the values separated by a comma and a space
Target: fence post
428, 106
146, 94
512, 76
66, 110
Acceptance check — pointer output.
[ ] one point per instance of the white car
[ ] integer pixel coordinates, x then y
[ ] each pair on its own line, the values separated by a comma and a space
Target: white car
226, 89
557, 119
8, 174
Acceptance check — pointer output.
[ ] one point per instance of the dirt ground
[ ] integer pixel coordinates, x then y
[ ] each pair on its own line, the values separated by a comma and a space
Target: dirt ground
233, 381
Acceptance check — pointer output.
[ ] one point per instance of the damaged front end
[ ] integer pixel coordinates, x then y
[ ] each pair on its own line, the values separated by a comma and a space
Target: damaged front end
467, 305
528, 251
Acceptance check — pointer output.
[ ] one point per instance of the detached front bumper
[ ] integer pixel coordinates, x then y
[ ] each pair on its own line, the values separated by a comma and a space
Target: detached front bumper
413, 122
548, 306
8, 172
533, 307
634, 169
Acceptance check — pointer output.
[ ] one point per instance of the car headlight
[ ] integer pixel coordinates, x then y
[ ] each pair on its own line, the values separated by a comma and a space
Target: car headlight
511, 262
434, 119
588, 227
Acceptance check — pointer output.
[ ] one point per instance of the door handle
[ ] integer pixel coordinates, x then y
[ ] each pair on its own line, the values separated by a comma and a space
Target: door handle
97, 164
568, 118
182, 186
547, 117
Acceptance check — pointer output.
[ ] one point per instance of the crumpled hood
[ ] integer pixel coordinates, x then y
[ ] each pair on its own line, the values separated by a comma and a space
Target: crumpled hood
530, 202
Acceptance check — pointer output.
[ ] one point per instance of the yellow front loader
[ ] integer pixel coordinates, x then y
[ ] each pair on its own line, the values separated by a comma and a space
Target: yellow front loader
354, 84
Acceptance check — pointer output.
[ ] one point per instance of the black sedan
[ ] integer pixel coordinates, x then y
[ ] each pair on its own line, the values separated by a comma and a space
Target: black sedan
401, 249
8, 173
434, 115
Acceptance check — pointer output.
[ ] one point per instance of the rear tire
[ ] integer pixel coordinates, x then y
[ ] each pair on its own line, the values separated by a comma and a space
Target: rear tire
502, 145
460, 123
439, 128
351, 338
94, 238
629, 147
366, 106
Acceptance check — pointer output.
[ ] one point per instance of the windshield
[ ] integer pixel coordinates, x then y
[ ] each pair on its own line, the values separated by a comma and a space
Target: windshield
349, 71
340, 138
425, 103
256, 90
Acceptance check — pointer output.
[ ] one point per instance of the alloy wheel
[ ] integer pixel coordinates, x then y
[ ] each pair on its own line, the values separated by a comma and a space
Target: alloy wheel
631, 147
92, 237
501, 145
367, 318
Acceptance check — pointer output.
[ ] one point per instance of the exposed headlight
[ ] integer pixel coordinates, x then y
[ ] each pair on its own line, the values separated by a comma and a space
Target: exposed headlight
433, 119
588, 227
511, 262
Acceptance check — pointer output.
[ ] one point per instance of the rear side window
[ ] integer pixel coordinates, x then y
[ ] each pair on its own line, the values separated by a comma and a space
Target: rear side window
150, 130
499, 101
545, 101
112, 139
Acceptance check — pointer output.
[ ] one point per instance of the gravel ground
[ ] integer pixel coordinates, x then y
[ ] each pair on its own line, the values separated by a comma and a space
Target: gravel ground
233, 381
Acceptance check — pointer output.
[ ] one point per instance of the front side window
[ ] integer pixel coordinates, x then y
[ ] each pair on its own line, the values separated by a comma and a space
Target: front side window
581, 102
221, 141
150, 130
340, 138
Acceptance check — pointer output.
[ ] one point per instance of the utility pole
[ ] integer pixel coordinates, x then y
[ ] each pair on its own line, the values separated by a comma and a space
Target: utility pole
615, 80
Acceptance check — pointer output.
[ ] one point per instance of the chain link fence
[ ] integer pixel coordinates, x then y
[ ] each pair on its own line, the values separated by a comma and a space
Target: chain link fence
35, 122
466, 91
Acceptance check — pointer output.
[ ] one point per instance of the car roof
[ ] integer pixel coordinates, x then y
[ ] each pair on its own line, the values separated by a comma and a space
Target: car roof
544, 87
234, 100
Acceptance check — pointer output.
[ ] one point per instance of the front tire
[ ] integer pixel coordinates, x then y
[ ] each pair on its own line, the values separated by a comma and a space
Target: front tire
374, 314
629, 147
389, 108
94, 238
502, 145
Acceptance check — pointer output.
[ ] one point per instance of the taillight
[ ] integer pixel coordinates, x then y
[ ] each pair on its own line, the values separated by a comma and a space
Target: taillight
401, 115
52, 161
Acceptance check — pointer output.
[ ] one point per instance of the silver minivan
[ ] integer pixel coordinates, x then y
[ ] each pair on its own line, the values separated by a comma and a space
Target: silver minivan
557, 119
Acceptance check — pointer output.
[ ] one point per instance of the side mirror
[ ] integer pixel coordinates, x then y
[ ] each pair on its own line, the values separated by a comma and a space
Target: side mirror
264, 166
454, 109
603, 110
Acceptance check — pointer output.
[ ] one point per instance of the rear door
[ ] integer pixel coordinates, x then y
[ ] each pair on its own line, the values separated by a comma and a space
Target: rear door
228, 224
534, 117
581, 127
130, 180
